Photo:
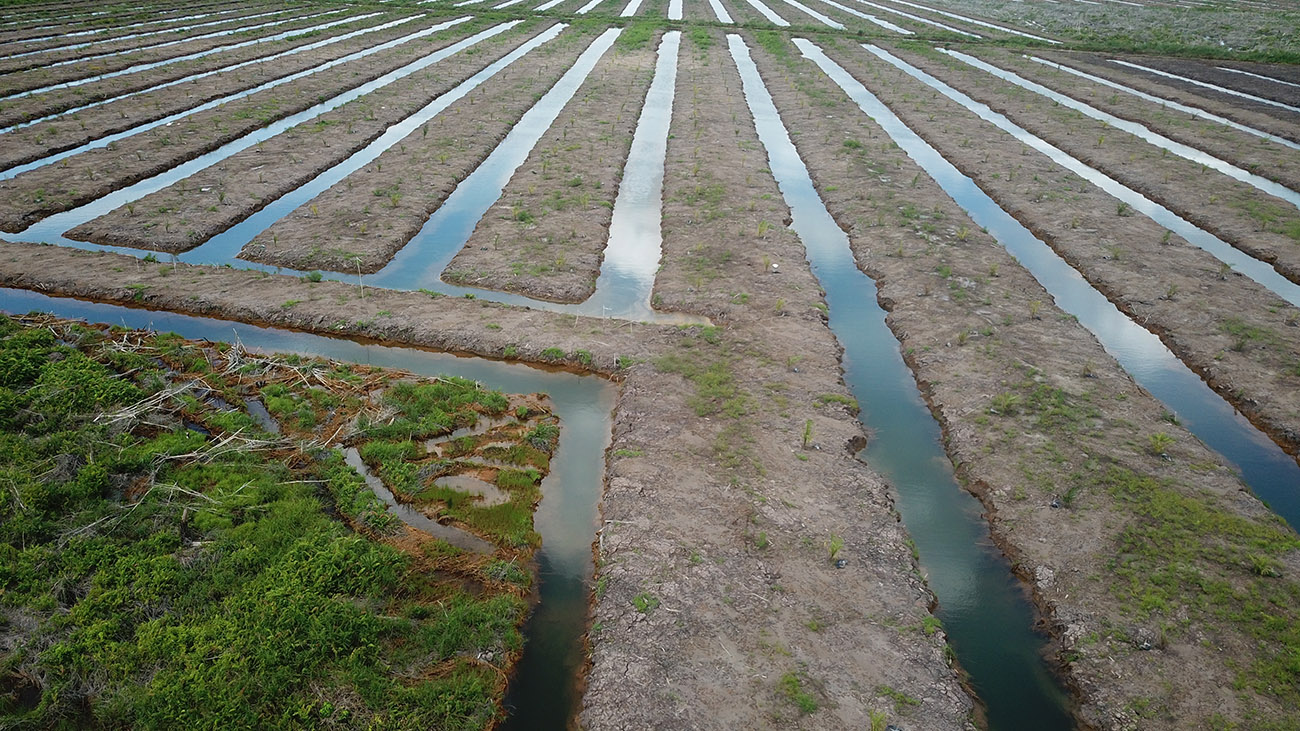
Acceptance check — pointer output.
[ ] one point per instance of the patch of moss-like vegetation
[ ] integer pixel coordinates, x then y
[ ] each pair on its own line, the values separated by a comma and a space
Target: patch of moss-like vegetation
173, 557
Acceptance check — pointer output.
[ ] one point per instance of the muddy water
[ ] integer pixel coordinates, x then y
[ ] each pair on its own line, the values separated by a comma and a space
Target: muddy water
983, 606
544, 692
1265, 468
1260, 271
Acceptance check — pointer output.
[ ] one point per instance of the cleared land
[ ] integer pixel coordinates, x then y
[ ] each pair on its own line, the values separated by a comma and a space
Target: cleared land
749, 569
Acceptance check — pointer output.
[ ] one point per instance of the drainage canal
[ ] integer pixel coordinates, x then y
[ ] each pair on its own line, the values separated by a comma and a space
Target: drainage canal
129, 36
1188, 152
920, 19
1194, 111
1257, 76
814, 14
627, 274
983, 606
981, 23
544, 692
1265, 468
768, 13
424, 257
178, 41
1206, 85
869, 18
164, 121
226, 246
51, 230
175, 59
1262, 272
626, 288
720, 12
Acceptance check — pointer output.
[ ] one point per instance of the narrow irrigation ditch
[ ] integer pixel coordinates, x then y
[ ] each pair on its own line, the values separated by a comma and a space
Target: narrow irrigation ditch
1270, 472
982, 605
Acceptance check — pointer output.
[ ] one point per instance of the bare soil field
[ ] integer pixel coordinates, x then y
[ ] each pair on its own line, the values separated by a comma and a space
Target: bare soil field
1263, 225
1219, 30
763, 553
752, 565
1254, 114
55, 53
47, 38
32, 106
1176, 289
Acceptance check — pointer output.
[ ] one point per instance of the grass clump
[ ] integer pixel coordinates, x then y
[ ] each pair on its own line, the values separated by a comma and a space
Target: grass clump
716, 390
791, 687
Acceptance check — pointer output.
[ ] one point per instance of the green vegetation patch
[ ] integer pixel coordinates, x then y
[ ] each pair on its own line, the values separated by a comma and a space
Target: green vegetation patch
1180, 560
166, 563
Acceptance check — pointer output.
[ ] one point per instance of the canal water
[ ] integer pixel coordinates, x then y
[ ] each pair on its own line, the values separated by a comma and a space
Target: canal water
984, 608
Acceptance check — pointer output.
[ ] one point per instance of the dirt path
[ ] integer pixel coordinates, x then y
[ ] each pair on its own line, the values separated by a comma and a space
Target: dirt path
546, 236
1046, 429
451, 324
56, 135
717, 517
375, 212
33, 195
1241, 338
